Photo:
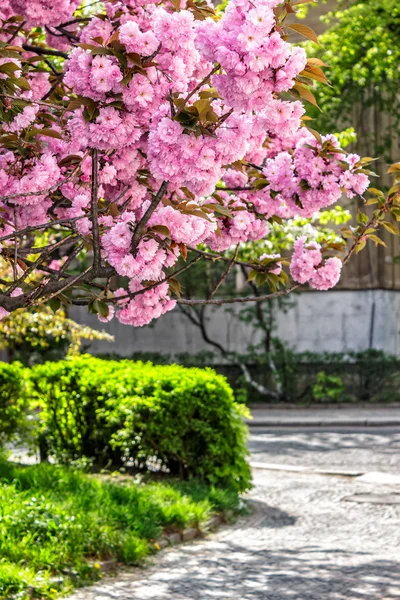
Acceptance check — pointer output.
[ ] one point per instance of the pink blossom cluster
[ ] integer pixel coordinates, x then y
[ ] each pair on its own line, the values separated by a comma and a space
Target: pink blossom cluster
195, 162
40, 12
303, 181
307, 265
145, 307
39, 174
255, 60
242, 226
92, 76
170, 36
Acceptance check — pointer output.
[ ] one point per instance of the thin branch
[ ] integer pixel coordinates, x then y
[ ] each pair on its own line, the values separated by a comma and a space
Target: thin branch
39, 103
44, 51
373, 222
225, 274
51, 67
73, 21
151, 56
215, 257
222, 120
53, 87
221, 301
33, 228
197, 88
69, 260
230, 356
15, 271
131, 295
66, 285
68, 34
234, 189
16, 32
53, 188
143, 222
33, 266
94, 206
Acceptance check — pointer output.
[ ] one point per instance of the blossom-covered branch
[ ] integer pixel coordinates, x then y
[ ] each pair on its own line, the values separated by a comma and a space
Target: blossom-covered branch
146, 130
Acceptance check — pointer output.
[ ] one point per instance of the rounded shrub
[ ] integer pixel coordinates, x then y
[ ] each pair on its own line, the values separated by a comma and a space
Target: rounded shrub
123, 413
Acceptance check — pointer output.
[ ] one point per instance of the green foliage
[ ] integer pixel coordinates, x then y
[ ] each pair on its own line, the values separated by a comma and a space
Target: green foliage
123, 413
307, 377
328, 387
13, 384
362, 48
329, 377
56, 524
38, 334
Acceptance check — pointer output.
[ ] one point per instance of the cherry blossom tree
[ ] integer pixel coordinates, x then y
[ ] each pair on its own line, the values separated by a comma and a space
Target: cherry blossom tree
134, 131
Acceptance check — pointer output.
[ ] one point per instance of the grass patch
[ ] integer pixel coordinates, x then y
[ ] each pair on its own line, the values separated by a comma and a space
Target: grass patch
53, 519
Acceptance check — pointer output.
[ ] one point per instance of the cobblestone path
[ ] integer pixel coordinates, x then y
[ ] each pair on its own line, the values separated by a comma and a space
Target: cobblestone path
304, 540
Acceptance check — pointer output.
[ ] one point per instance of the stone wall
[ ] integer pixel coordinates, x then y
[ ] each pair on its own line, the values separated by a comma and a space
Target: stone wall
319, 321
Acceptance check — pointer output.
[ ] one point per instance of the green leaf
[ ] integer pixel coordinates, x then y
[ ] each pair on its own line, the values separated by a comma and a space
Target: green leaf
305, 31
9, 68
360, 246
391, 227
54, 304
47, 132
162, 229
362, 218
377, 240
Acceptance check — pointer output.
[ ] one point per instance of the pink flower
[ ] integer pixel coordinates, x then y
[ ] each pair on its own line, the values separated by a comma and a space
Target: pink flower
328, 275
109, 317
121, 235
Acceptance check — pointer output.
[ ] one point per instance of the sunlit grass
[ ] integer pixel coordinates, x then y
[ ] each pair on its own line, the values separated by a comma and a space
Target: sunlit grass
55, 523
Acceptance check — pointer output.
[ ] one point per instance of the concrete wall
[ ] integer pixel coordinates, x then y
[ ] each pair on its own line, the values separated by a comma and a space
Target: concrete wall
320, 321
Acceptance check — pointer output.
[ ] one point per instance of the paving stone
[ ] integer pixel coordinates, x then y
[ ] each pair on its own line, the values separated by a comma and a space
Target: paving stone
374, 498
214, 522
189, 534
302, 542
108, 565
174, 538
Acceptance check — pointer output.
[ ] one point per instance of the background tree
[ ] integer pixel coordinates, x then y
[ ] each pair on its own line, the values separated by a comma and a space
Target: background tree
362, 48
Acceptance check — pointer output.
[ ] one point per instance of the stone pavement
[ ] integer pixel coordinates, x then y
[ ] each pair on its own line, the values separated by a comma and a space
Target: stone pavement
361, 451
303, 541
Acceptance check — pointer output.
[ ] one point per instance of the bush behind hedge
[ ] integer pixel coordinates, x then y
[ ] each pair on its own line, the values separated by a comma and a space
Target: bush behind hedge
119, 413
13, 393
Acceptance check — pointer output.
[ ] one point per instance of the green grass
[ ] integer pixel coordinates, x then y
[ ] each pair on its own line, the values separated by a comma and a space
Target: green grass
55, 523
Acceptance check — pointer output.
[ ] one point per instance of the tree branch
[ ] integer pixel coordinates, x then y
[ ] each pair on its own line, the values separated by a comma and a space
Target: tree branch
33, 266
144, 220
94, 206
225, 274
197, 88
214, 257
245, 299
44, 51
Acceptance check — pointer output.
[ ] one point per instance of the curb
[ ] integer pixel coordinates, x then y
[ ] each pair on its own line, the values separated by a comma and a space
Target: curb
376, 477
254, 424
323, 406
187, 535
172, 539
306, 470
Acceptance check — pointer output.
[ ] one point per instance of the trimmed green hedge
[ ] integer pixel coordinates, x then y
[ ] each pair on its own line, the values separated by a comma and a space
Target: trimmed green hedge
120, 413
12, 401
